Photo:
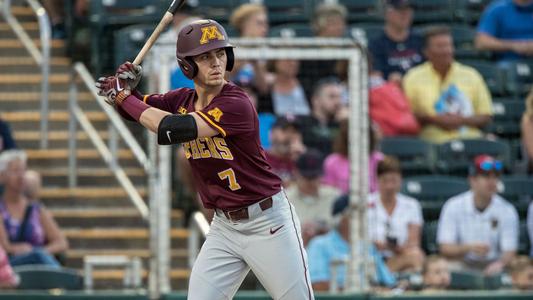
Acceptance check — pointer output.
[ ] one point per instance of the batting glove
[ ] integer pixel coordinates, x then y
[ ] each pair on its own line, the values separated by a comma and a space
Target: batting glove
131, 73
113, 89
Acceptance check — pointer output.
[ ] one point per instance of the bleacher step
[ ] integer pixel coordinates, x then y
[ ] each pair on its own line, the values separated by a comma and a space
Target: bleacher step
97, 238
74, 258
90, 176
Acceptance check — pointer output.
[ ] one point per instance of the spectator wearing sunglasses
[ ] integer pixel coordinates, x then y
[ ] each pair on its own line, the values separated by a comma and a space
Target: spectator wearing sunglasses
478, 229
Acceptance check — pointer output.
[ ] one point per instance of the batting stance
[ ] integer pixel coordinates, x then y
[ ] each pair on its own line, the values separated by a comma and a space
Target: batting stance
255, 226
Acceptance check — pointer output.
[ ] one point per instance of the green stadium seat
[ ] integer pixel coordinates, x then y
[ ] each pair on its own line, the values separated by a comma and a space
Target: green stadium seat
416, 155
291, 30
219, 10
38, 277
129, 40
463, 39
518, 190
432, 191
469, 11
371, 30
506, 118
455, 157
362, 10
429, 237
494, 76
432, 11
524, 243
106, 16
467, 280
519, 77
284, 11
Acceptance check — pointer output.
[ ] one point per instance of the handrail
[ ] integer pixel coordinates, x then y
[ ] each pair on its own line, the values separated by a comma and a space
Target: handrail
80, 71
199, 225
42, 59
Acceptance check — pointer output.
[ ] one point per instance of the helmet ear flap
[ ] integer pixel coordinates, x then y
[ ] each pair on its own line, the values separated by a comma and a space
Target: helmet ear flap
230, 59
188, 67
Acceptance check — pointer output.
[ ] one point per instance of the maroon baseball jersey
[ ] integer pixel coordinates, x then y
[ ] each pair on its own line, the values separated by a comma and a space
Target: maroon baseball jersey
230, 169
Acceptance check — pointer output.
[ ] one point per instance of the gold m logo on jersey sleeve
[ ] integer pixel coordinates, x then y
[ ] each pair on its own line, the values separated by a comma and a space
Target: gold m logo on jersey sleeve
210, 33
216, 113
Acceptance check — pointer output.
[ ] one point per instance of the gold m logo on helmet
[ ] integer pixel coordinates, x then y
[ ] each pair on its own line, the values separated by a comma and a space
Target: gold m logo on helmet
210, 33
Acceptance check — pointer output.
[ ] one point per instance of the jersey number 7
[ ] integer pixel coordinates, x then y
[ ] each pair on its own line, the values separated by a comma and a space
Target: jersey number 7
230, 175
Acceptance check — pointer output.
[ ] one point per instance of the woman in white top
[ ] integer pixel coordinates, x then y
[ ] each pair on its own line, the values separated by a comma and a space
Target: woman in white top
395, 220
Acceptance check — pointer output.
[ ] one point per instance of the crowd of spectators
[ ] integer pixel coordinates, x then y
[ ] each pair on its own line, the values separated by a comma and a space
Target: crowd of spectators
303, 111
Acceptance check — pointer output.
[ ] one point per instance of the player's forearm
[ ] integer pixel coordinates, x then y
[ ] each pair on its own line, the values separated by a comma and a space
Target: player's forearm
151, 118
486, 42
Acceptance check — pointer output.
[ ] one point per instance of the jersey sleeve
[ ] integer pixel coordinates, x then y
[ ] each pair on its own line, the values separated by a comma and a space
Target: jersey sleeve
230, 115
510, 229
169, 102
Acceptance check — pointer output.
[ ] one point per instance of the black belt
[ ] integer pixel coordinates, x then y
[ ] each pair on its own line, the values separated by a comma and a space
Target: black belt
243, 214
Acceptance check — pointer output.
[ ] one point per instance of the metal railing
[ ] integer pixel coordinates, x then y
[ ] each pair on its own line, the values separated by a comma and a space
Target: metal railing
42, 58
109, 153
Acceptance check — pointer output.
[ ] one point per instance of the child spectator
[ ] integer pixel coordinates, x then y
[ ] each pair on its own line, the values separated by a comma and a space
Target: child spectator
521, 271
436, 273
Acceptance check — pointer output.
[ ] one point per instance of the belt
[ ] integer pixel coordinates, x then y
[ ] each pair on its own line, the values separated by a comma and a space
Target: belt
242, 213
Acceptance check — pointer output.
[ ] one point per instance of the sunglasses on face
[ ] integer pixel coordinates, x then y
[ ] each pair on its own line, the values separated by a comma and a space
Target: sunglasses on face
491, 165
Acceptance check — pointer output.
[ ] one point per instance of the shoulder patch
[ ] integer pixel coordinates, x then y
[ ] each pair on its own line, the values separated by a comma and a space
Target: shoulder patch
216, 113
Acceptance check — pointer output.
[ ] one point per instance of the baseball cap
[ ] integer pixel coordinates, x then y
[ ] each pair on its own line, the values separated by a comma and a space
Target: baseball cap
340, 204
397, 4
485, 164
309, 164
286, 123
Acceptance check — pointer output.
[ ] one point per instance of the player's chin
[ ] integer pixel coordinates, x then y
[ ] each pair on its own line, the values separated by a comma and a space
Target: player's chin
215, 81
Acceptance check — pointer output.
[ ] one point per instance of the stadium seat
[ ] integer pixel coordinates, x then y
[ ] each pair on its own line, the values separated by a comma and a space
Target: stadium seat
416, 156
523, 240
518, 190
506, 118
432, 11
494, 76
432, 191
429, 237
371, 30
219, 10
463, 39
469, 11
455, 157
362, 10
284, 11
38, 277
519, 77
129, 40
105, 15
291, 30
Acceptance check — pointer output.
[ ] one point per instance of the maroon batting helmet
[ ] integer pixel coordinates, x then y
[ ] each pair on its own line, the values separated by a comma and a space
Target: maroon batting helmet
200, 37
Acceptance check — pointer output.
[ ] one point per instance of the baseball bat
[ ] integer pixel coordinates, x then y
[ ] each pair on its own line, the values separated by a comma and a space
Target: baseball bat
167, 19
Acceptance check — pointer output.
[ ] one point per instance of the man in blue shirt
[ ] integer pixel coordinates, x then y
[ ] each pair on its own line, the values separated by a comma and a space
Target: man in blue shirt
333, 247
398, 48
506, 27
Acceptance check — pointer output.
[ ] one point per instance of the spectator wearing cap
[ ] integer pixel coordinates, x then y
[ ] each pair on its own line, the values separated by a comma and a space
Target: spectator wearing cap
449, 99
397, 49
436, 273
395, 220
521, 271
325, 250
311, 199
251, 21
320, 128
285, 148
478, 229
506, 27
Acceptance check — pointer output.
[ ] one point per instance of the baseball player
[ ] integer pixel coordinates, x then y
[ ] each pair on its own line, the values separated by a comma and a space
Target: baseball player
254, 226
